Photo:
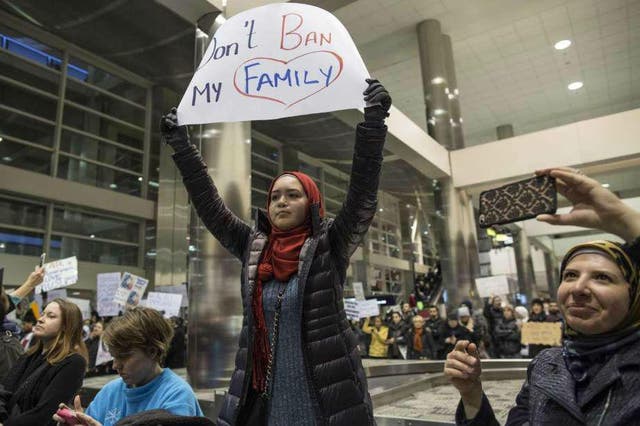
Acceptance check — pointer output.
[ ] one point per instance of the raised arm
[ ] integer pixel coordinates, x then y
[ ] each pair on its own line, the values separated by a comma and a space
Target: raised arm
359, 207
593, 205
232, 233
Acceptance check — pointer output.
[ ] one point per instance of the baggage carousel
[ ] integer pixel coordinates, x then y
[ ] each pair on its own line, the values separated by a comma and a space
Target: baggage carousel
404, 393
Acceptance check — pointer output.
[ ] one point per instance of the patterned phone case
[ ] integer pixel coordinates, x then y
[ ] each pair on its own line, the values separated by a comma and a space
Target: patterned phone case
518, 201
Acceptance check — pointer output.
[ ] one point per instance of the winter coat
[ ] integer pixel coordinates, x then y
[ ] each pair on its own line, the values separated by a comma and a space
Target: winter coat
429, 348
547, 397
378, 347
459, 332
507, 335
338, 384
397, 332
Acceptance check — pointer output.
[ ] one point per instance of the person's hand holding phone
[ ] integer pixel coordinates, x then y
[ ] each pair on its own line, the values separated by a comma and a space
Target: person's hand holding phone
67, 416
593, 205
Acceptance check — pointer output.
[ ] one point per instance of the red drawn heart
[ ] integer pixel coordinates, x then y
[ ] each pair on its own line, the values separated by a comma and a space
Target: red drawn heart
334, 57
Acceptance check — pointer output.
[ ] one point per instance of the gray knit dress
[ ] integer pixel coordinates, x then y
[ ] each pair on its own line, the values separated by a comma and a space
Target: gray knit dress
290, 402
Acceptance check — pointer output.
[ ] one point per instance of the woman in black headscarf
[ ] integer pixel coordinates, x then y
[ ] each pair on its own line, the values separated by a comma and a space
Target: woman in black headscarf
595, 377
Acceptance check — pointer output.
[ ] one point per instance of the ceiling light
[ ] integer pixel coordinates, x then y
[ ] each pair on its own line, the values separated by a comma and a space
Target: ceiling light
562, 44
2, 245
575, 85
7, 159
439, 111
154, 184
437, 80
113, 186
92, 236
605, 185
1, 139
140, 179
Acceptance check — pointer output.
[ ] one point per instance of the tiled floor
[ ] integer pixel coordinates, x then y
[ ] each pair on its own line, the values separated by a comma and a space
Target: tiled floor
440, 403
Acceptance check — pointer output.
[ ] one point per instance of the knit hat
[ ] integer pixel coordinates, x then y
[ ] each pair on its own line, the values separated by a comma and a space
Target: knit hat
463, 311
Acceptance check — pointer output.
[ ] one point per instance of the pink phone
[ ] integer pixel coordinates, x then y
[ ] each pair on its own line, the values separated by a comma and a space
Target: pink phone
68, 416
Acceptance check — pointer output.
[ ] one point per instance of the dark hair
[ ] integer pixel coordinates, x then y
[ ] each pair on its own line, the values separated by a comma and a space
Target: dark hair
139, 328
537, 301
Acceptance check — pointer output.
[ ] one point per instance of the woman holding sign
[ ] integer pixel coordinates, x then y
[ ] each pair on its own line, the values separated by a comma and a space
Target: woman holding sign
298, 360
595, 377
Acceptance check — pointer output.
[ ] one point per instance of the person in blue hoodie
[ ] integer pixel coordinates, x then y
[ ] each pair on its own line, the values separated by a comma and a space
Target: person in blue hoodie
138, 342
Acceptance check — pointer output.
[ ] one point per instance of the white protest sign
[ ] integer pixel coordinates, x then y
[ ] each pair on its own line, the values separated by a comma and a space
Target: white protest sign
58, 274
107, 285
103, 356
84, 305
358, 291
130, 290
495, 285
167, 303
278, 60
356, 309
176, 289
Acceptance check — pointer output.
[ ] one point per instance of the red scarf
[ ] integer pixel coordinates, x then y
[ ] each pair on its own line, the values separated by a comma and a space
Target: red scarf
279, 261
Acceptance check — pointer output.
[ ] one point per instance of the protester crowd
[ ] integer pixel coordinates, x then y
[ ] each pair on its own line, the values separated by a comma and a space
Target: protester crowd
407, 332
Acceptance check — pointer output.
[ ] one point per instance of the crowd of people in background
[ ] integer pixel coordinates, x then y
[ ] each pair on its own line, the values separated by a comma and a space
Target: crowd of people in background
407, 332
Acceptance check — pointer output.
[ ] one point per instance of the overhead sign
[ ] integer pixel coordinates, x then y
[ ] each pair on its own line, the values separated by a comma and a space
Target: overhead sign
107, 285
58, 274
167, 303
130, 290
278, 60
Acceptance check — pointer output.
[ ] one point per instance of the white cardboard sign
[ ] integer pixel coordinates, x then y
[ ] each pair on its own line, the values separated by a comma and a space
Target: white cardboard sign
273, 61
58, 274
130, 290
176, 289
107, 285
358, 291
356, 309
167, 303
497, 285
84, 305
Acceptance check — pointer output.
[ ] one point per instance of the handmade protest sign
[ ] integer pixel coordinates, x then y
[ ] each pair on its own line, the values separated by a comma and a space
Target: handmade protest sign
84, 305
541, 333
58, 274
356, 309
492, 286
278, 60
107, 285
130, 290
167, 303
176, 289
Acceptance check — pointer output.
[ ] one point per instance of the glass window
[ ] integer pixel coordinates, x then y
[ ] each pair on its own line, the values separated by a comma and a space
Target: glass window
29, 48
20, 213
28, 73
91, 98
27, 101
100, 176
260, 182
90, 250
87, 224
258, 200
264, 166
334, 193
265, 150
26, 128
94, 149
24, 156
104, 127
335, 180
21, 242
312, 171
104, 80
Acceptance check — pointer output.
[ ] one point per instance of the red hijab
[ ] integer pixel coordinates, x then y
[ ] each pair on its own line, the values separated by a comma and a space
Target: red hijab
279, 261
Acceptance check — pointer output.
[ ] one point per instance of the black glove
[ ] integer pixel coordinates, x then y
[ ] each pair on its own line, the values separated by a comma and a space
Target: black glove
376, 93
172, 134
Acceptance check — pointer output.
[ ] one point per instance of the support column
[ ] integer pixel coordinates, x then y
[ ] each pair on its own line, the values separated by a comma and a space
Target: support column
455, 120
434, 81
215, 306
524, 264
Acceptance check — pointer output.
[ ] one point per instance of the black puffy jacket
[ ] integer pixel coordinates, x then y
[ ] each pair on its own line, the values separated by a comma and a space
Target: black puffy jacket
334, 368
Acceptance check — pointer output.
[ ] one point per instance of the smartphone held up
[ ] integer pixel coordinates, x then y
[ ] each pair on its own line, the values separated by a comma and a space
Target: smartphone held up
518, 201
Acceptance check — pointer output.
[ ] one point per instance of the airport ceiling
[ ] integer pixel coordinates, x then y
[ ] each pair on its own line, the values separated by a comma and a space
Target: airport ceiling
507, 69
